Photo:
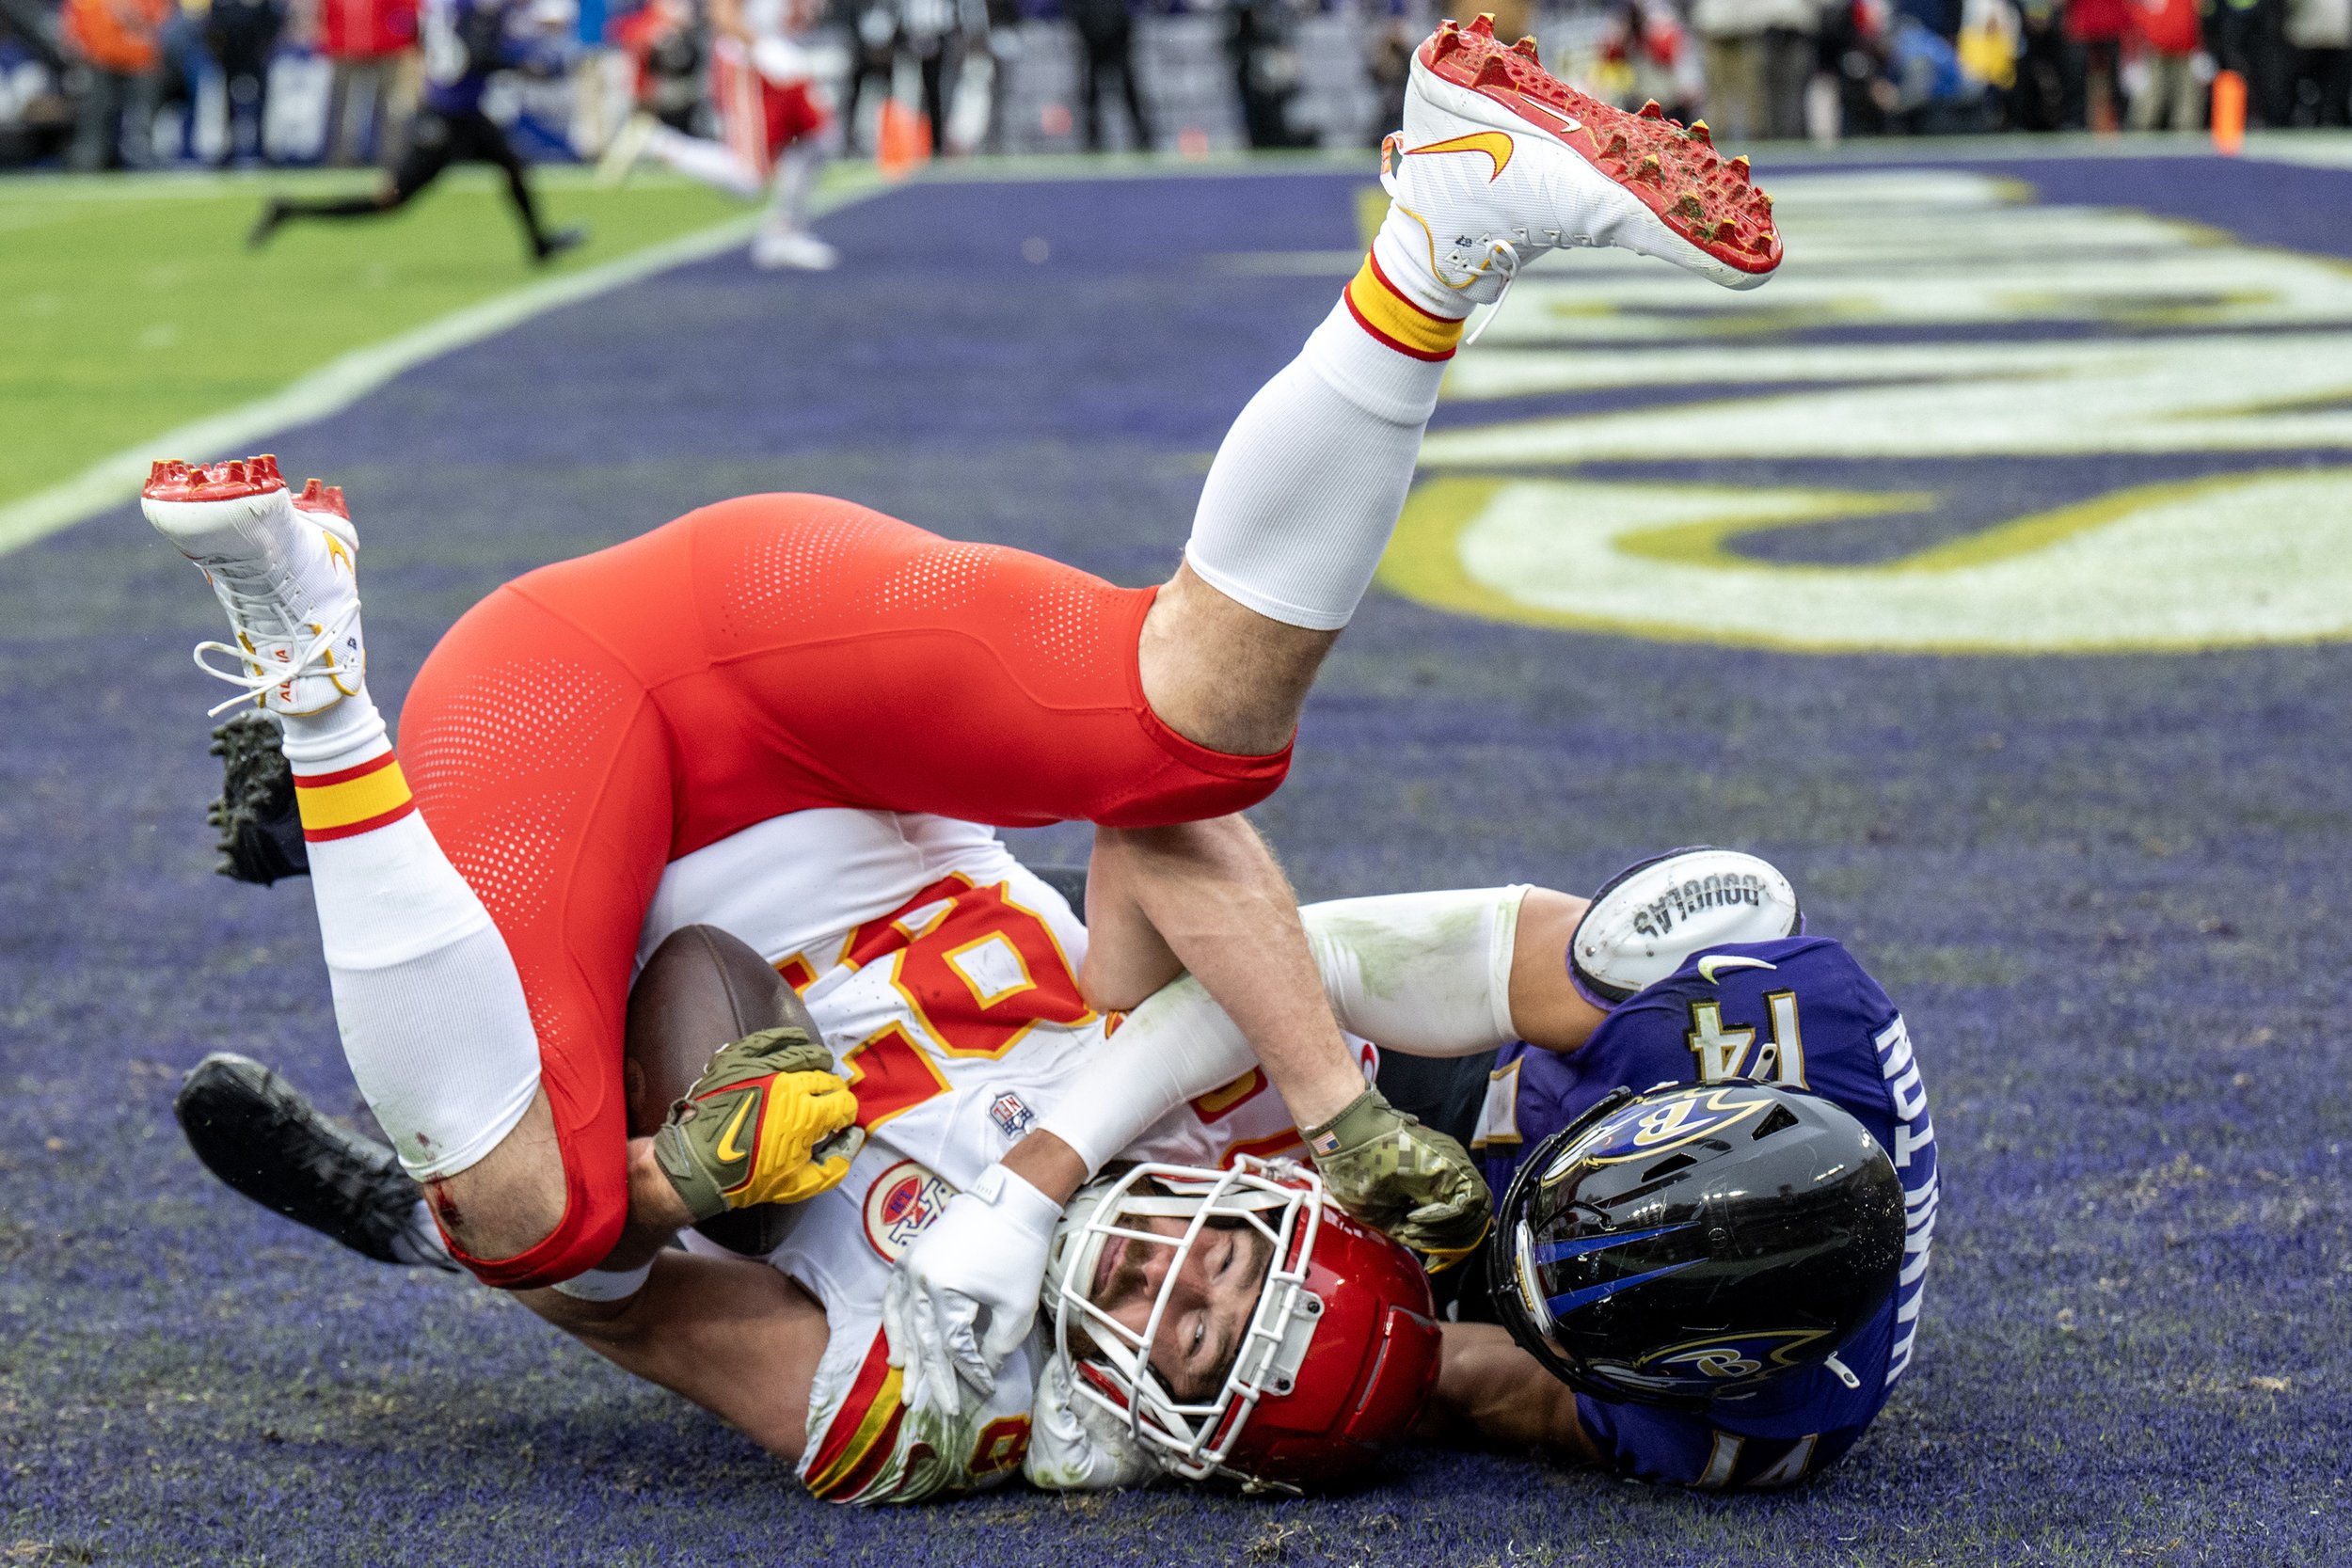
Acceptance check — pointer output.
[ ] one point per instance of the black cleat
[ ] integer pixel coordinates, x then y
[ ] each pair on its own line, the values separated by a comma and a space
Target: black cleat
556, 242
260, 831
263, 226
256, 1133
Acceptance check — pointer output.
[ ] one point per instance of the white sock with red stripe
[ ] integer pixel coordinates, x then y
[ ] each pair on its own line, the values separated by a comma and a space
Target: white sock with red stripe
1307, 484
426, 995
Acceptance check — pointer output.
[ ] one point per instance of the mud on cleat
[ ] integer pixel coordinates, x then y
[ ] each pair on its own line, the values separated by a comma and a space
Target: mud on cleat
1530, 163
258, 1134
285, 570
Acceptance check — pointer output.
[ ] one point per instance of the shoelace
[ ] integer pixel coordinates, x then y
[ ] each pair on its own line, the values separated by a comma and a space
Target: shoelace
1507, 255
251, 605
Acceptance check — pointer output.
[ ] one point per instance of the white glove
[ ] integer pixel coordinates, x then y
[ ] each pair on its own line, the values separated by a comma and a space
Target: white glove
984, 1256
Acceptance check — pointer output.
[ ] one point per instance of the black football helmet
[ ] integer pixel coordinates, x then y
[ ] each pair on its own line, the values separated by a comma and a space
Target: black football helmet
1696, 1240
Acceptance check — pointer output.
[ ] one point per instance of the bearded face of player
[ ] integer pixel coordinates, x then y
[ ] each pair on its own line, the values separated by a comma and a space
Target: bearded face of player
1209, 1303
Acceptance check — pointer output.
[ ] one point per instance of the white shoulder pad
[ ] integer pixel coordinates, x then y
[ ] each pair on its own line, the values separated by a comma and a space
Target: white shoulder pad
1649, 919
1075, 1446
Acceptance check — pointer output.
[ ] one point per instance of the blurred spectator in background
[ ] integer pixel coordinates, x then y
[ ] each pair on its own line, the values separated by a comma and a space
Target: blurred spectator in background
241, 34
2097, 26
1266, 70
466, 42
1106, 42
1933, 96
667, 58
928, 33
38, 118
932, 32
182, 61
1389, 66
371, 50
2168, 35
1000, 40
2249, 38
1849, 59
1644, 54
2039, 99
2321, 32
1760, 54
1988, 45
874, 52
114, 42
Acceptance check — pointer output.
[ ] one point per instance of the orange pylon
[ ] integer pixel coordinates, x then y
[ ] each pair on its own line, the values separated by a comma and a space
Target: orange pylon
902, 140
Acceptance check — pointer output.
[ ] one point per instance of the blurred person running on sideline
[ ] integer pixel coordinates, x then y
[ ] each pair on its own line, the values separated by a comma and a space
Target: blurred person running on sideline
466, 43
598, 718
771, 115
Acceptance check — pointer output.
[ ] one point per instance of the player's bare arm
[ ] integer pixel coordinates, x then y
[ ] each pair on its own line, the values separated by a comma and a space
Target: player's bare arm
1207, 898
734, 1335
1492, 1392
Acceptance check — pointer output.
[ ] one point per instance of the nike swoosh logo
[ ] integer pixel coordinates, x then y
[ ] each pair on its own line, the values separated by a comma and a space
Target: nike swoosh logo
1711, 966
727, 1152
1494, 144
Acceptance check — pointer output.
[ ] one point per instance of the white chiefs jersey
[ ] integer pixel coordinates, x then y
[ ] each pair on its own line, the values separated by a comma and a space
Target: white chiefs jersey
943, 974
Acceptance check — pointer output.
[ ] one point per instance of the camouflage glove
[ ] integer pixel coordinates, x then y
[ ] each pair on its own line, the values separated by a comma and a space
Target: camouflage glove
1411, 1182
767, 1122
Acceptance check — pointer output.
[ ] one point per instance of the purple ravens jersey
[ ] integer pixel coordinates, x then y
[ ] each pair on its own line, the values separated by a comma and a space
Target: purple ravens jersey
1798, 1012
466, 43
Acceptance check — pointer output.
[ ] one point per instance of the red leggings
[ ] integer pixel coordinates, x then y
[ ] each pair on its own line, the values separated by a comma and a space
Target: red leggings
596, 718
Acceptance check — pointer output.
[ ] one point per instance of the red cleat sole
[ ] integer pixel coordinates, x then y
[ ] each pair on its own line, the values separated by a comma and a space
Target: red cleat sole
1673, 170
318, 496
234, 480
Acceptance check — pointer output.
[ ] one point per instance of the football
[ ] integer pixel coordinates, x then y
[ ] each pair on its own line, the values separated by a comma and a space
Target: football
701, 990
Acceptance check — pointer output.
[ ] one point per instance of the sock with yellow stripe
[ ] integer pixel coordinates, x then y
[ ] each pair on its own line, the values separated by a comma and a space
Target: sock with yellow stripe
1307, 484
426, 995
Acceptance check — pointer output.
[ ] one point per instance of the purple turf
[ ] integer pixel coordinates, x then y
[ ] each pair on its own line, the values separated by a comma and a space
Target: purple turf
2108, 893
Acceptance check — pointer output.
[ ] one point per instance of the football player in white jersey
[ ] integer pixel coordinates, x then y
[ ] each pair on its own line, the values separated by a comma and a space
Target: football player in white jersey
943, 974
1196, 1325
772, 119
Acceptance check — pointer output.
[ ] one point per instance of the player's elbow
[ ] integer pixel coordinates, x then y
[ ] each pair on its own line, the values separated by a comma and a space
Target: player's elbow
1110, 986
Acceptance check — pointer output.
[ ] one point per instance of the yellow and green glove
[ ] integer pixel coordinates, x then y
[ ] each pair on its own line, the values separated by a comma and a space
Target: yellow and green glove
768, 1121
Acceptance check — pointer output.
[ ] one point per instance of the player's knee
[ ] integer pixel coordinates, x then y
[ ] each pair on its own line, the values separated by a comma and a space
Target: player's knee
513, 1199
1222, 675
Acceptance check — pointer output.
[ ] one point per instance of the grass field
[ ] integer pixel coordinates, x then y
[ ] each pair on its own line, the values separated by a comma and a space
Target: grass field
131, 308
1990, 572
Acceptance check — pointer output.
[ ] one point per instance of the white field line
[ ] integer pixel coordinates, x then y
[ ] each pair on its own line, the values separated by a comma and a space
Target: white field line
340, 382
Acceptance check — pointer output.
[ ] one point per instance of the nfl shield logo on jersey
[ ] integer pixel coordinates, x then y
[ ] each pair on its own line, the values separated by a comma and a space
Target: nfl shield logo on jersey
901, 1205
1011, 1114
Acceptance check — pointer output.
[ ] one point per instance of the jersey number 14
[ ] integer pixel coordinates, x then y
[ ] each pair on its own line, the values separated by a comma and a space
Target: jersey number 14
1735, 1053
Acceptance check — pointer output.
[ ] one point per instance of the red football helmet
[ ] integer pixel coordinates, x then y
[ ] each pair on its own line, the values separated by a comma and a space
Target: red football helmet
1340, 1355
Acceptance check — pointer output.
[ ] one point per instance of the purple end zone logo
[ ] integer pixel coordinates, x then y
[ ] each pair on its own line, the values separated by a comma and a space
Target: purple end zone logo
901, 1205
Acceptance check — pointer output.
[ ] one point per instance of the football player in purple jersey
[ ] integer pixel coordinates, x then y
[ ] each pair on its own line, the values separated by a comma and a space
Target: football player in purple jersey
1713, 1216
466, 42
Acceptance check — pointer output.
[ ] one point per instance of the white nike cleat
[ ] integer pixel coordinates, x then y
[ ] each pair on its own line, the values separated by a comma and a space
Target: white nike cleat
794, 248
1500, 160
284, 568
